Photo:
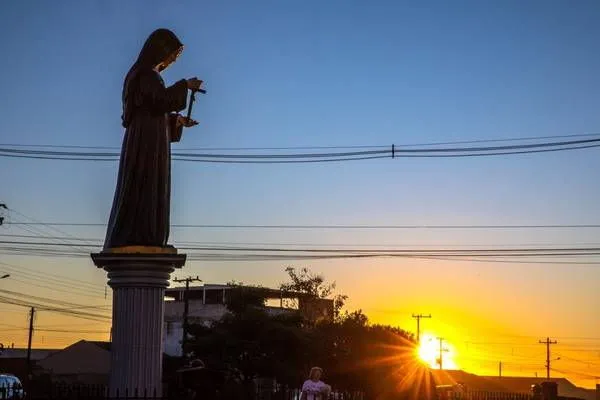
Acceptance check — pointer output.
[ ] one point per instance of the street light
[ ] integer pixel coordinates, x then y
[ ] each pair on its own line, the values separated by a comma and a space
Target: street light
4, 276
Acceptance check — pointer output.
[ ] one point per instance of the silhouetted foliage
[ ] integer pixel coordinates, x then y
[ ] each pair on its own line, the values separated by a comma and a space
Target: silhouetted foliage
313, 284
243, 297
250, 342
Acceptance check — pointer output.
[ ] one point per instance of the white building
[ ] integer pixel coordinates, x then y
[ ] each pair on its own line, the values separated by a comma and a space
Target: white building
207, 303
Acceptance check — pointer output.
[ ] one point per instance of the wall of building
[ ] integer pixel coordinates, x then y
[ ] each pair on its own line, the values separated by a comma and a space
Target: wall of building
213, 312
205, 306
173, 325
172, 334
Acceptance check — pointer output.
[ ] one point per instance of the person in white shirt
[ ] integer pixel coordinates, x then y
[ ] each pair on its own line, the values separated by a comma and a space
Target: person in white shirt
313, 388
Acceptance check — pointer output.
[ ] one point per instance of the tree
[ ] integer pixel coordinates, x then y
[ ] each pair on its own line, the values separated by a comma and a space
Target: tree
379, 360
249, 343
313, 284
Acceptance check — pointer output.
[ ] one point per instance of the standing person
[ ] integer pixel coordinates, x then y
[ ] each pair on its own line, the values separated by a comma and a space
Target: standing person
141, 205
313, 388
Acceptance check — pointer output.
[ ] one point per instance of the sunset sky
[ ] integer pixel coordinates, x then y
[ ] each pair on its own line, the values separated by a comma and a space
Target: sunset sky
336, 73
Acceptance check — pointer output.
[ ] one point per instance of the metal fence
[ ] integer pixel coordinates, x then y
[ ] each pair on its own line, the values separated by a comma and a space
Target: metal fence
283, 393
100, 392
481, 395
77, 392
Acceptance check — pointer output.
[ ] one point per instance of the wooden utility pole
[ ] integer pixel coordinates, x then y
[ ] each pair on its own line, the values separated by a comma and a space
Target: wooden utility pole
442, 353
500, 369
186, 309
418, 318
548, 342
31, 317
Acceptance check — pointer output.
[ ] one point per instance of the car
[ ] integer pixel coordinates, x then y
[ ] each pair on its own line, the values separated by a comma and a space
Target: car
11, 387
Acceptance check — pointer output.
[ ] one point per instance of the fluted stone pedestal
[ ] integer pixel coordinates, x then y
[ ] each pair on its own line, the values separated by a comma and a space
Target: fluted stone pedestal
138, 282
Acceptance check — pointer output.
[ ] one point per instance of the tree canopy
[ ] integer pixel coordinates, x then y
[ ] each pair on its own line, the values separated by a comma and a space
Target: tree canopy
251, 341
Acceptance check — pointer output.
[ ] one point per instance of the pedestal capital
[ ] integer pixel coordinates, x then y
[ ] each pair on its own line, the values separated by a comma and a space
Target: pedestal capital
138, 269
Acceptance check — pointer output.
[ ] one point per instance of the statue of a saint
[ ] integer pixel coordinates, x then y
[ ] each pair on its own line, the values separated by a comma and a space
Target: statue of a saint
141, 205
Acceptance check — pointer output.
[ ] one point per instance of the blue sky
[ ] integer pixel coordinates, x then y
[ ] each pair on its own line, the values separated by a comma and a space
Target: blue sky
283, 73
342, 73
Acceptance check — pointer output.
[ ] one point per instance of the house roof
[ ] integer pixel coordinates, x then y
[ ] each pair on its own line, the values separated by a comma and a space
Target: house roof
513, 384
36, 354
522, 384
274, 293
103, 345
474, 382
82, 357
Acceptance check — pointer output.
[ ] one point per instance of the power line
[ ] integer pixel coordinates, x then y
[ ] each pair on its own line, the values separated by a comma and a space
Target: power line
50, 227
61, 303
332, 226
57, 306
580, 374
59, 146
54, 279
58, 289
99, 241
392, 152
50, 278
66, 312
479, 252
28, 250
353, 250
235, 252
286, 256
515, 139
587, 362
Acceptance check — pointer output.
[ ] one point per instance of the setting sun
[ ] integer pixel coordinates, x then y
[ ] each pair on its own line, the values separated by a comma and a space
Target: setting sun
429, 352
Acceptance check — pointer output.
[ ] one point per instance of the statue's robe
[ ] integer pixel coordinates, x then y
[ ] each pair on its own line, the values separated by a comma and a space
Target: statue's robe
141, 205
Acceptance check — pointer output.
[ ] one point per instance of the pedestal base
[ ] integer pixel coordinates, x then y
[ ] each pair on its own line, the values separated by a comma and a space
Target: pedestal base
138, 282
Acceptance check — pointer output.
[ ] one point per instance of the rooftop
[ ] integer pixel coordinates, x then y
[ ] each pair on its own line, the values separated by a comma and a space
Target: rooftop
270, 292
36, 354
514, 384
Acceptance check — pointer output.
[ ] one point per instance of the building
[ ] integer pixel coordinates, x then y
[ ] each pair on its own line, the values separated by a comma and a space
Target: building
207, 303
84, 362
510, 384
14, 360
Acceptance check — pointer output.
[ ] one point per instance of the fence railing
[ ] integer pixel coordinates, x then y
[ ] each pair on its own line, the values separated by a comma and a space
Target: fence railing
101, 392
275, 392
77, 392
483, 395
282, 393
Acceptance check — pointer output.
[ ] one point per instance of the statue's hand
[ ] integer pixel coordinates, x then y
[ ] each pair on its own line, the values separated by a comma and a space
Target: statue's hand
185, 121
194, 83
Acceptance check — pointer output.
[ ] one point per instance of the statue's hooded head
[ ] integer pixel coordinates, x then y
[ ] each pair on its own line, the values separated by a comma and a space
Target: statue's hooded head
160, 50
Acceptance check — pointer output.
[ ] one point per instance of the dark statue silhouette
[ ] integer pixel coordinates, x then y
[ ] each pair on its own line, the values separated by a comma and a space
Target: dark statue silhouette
141, 206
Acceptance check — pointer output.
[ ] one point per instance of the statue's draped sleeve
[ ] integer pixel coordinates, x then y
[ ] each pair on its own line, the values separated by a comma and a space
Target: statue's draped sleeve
175, 131
158, 98
164, 100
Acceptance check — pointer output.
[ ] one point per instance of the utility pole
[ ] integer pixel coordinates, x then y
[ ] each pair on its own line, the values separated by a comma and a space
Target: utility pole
31, 316
548, 342
186, 308
442, 349
500, 369
418, 318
